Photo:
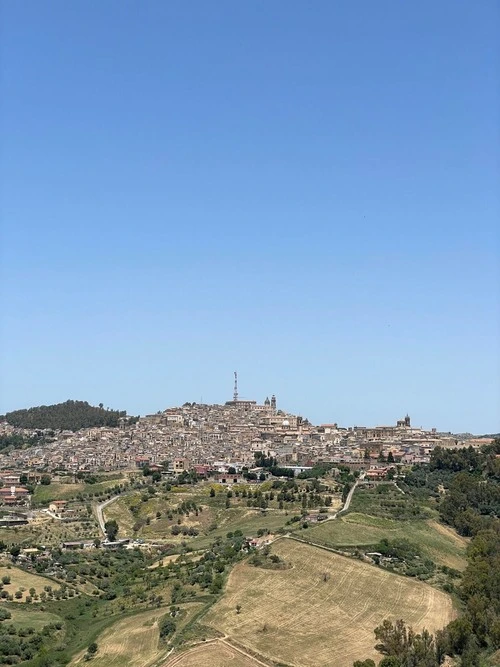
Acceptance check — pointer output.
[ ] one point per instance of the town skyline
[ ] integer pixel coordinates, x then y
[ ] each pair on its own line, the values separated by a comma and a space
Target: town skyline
271, 399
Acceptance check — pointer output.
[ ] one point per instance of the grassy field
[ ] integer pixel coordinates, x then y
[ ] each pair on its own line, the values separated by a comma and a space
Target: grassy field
58, 491
135, 640
158, 528
215, 520
213, 654
323, 609
386, 500
249, 521
48, 531
21, 579
442, 544
29, 617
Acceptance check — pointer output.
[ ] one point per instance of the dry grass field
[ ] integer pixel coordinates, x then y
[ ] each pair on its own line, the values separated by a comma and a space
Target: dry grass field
132, 642
135, 640
212, 654
21, 579
323, 609
441, 543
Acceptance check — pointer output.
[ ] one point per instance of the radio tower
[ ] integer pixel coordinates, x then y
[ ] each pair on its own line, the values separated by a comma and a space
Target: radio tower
235, 393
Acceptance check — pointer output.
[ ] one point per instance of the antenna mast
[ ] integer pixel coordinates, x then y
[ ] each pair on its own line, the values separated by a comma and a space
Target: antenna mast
235, 393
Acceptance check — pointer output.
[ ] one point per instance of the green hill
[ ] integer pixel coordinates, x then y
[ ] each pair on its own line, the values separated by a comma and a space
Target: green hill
71, 415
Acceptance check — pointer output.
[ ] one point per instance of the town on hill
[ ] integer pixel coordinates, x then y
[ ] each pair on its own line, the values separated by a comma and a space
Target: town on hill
206, 439
241, 533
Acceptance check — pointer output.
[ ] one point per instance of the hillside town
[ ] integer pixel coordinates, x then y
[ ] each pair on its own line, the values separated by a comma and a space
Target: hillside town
210, 440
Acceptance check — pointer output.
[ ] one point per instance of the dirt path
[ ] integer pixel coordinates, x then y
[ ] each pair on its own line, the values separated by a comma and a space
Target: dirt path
179, 657
100, 508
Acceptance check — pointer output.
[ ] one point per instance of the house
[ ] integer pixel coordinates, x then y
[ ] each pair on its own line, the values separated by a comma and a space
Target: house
10, 478
377, 474
202, 470
58, 507
14, 495
228, 478
180, 465
78, 544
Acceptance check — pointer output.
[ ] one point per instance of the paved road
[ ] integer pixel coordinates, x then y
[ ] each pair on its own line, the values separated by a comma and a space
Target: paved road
348, 499
350, 495
99, 509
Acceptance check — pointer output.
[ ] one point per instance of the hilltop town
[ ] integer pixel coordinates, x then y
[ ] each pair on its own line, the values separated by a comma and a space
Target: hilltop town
212, 439
177, 530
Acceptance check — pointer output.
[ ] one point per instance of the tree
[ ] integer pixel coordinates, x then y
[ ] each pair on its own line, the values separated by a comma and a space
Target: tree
212, 492
92, 649
393, 638
390, 458
111, 528
390, 661
4, 614
15, 550
45, 480
167, 627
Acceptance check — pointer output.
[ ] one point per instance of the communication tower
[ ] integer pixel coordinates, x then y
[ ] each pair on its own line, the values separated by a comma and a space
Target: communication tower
235, 393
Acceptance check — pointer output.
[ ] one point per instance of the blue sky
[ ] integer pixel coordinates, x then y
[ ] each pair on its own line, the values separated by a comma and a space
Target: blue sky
303, 192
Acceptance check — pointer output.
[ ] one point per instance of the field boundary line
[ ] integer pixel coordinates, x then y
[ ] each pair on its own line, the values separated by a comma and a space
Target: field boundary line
244, 651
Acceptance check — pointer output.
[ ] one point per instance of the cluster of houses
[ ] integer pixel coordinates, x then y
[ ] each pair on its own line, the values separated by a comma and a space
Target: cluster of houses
215, 440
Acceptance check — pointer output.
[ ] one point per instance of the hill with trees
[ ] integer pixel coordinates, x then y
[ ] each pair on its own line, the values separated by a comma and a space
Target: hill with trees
70, 416
471, 504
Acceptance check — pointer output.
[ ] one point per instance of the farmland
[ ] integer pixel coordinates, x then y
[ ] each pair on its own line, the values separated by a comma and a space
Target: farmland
322, 609
134, 641
46, 530
65, 491
154, 517
19, 579
439, 543
31, 617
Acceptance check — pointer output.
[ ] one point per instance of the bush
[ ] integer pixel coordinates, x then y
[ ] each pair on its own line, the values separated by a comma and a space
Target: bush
167, 627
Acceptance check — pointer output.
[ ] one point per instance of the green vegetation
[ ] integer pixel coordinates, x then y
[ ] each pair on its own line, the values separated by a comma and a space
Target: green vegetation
471, 502
88, 602
100, 487
437, 542
385, 500
21, 441
71, 415
21, 643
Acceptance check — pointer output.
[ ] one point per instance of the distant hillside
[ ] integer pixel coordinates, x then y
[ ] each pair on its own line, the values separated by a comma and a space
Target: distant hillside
71, 416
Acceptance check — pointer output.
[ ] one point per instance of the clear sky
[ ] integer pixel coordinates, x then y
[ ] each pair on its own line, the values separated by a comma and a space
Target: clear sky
305, 192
